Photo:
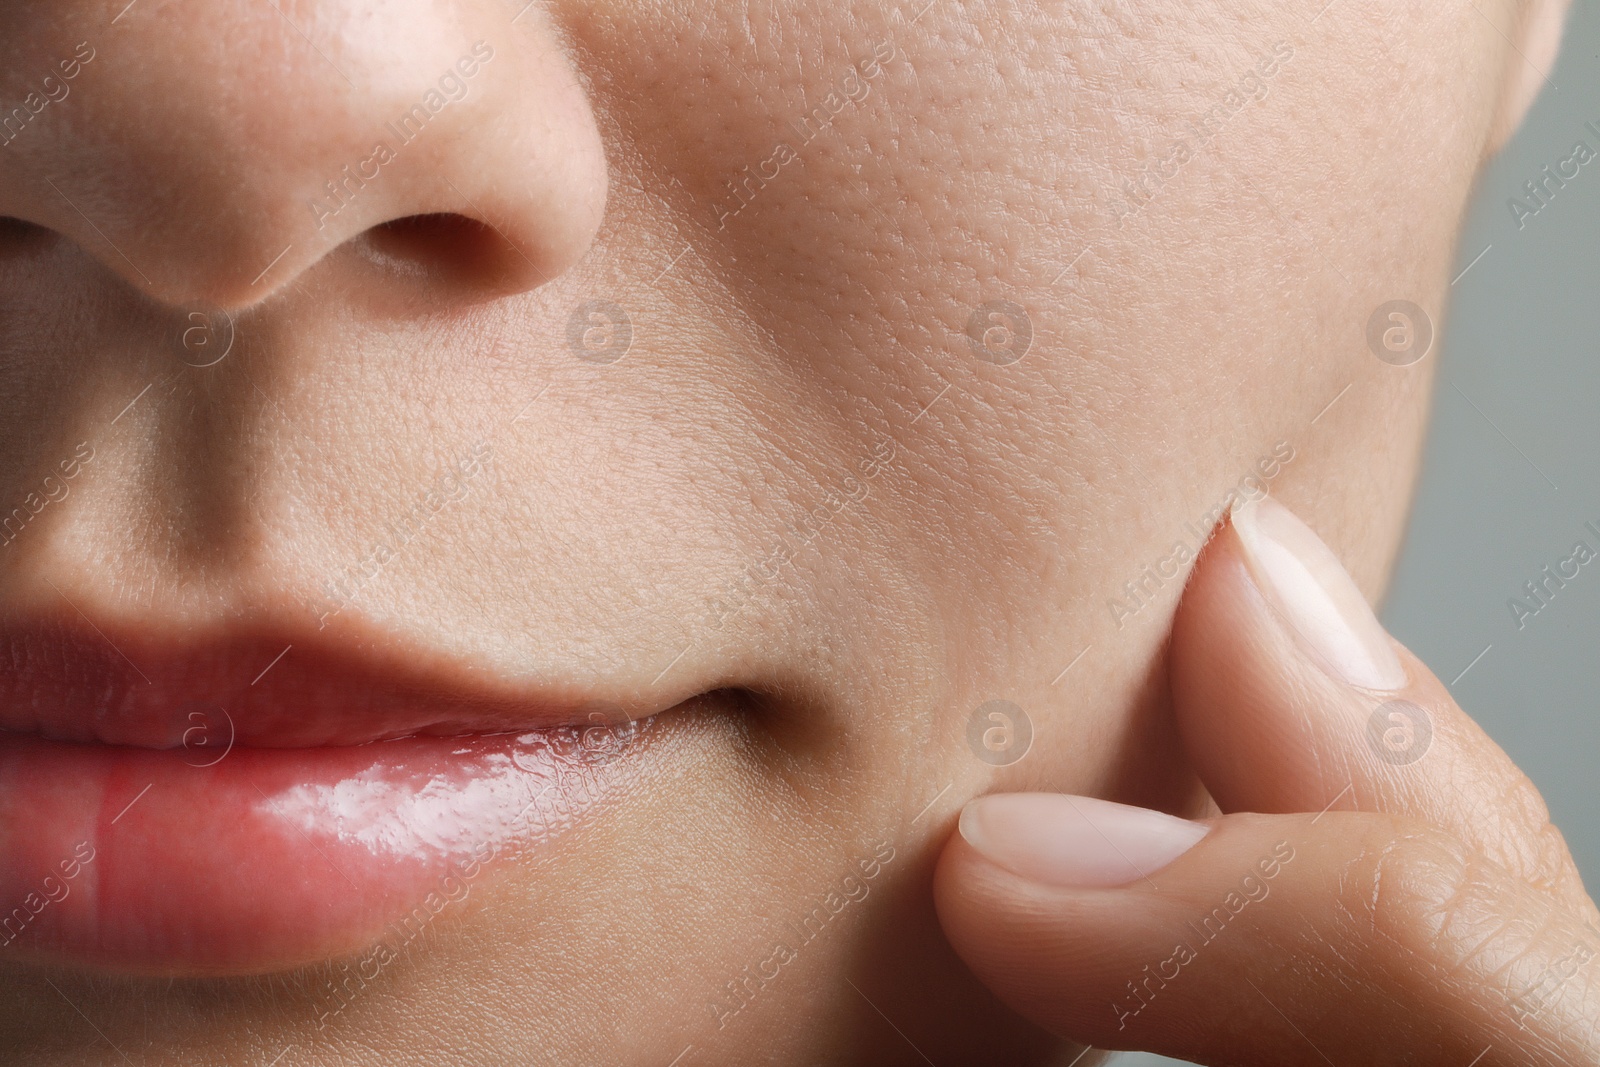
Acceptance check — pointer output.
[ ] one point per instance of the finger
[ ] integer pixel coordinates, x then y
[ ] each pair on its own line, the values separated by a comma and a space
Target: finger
1272, 939
1290, 696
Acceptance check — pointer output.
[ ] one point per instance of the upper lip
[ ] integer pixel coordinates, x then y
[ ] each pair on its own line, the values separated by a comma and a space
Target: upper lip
76, 681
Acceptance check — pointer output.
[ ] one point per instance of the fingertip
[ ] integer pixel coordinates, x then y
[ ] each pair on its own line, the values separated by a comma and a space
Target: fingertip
1266, 707
1075, 842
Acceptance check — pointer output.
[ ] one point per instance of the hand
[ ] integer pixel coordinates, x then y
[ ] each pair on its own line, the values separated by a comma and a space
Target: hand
1383, 886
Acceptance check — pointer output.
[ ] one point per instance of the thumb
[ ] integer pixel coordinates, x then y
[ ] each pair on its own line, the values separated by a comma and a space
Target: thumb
1362, 899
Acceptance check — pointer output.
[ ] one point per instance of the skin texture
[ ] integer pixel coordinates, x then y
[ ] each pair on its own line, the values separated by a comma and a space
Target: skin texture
1422, 888
820, 332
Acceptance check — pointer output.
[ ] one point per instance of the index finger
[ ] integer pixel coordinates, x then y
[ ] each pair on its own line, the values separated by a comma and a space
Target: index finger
1291, 697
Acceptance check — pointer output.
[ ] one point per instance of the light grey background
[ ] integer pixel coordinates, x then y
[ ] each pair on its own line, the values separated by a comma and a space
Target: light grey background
1509, 483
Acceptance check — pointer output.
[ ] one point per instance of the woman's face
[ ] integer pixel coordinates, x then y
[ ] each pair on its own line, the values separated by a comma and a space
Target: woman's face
803, 378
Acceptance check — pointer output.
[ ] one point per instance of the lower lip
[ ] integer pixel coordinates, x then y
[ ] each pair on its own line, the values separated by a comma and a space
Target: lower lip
151, 862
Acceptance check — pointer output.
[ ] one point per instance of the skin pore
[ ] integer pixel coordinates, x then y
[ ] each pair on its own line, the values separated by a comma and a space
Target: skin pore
818, 469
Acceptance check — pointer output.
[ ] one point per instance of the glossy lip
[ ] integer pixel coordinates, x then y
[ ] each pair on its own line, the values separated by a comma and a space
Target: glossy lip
337, 801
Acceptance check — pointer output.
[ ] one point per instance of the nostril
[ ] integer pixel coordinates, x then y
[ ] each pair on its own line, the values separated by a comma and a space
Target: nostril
19, 236
447, 244
429, 234
461, 252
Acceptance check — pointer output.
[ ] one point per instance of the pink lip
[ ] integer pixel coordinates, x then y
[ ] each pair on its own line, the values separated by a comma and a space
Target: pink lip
287, 689
249, 850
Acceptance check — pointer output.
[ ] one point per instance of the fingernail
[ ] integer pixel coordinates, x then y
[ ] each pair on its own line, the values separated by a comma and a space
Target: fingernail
1075, 842
1308, 585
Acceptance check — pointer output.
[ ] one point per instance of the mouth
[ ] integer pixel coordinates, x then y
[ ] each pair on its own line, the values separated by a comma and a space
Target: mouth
249, 804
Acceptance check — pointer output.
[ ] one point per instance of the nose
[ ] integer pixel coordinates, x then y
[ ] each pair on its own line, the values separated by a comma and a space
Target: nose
213, 152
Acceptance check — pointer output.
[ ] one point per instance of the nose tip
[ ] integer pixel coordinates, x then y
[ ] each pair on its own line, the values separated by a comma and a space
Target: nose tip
441, 136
